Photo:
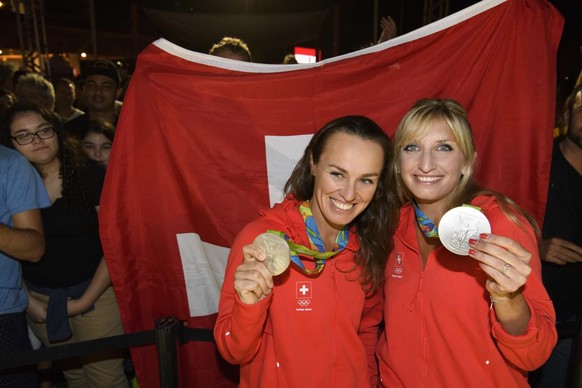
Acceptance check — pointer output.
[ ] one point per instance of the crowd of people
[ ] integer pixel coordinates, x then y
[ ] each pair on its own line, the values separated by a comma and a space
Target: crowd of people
389, 295
69, 292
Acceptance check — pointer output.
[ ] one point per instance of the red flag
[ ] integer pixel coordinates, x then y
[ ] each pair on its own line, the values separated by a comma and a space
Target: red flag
202, 143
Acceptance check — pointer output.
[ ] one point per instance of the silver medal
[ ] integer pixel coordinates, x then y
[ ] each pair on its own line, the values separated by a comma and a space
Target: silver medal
460, 224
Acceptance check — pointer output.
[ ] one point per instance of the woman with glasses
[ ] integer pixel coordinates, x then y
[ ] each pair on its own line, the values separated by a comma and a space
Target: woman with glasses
71, 298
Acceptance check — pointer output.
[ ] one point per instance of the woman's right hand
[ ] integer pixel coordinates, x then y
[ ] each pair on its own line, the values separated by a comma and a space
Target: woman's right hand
36, 309
252, 279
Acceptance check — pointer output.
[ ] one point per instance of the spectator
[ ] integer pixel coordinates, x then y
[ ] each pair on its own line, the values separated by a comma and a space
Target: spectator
7, 99
101, 89
289, 59
71, 298
7, 70
80, 100
97, 141
232, 48
65, 99
21, 239
561, 245
35, 88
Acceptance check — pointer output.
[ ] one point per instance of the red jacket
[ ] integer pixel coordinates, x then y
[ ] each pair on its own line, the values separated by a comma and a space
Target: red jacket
439, 329
317, 331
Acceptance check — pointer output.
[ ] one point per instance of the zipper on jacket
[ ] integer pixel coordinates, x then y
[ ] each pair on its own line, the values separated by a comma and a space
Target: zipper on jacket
425, 343
418, 293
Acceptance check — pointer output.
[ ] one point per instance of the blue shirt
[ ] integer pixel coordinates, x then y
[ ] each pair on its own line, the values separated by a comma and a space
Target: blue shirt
21, 189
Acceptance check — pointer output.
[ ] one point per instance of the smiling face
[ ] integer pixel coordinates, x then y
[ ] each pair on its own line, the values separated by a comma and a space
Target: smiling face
345, 180
101, 92
431, 167
41, 151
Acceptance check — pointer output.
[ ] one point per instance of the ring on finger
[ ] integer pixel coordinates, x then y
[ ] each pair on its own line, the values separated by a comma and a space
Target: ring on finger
505, 268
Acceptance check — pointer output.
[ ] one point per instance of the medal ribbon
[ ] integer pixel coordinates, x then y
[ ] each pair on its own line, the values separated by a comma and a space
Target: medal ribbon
426, 225
317, 250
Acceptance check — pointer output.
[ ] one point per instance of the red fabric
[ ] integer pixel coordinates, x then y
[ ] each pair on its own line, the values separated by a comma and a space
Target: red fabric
330, 341
189, 153
440, 316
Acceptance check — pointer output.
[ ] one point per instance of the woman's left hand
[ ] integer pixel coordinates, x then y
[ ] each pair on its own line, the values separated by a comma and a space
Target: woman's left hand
505, 261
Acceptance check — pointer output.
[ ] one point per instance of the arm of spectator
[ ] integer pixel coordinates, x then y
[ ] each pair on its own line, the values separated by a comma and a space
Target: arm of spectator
25, 240
558, 251
389, 30
97, 287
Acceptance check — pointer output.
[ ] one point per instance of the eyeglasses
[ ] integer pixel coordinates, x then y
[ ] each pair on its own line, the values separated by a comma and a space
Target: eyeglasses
28, 137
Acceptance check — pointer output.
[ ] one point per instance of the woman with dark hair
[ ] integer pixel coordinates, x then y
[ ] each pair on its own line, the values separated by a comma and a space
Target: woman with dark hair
315, 327
71, 298
97, 140
464, 307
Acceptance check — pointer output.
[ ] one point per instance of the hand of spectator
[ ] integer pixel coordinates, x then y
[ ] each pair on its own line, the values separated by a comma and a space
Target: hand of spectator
558, 251
389, 29
252, 279
76, 307
36, 309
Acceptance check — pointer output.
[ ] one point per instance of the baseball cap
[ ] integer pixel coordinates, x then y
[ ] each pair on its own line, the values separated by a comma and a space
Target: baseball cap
102, 67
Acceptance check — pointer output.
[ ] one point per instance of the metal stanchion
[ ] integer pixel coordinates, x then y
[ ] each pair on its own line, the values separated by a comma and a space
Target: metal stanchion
167, 339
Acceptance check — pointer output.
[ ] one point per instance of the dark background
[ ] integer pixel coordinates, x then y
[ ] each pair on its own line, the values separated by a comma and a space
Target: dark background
123, 27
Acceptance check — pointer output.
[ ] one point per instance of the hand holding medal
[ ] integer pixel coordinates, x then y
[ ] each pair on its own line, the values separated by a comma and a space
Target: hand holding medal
277, 252
267, 256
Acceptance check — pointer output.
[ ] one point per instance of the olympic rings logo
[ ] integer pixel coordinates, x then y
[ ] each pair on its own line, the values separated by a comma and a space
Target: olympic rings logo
303, 302
398, 270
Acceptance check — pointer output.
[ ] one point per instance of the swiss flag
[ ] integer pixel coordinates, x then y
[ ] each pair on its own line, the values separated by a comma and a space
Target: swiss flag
203, 143
303, 290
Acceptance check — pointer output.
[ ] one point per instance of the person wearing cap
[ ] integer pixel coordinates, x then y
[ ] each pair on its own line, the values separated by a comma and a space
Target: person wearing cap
102, 88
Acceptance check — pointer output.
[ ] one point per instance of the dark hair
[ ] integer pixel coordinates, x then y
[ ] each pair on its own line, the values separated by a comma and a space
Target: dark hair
377, 223
9, 94
98, 126
69, 154
289, 59
234, 45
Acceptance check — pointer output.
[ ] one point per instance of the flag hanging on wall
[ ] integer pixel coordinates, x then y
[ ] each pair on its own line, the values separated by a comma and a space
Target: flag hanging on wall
204, 142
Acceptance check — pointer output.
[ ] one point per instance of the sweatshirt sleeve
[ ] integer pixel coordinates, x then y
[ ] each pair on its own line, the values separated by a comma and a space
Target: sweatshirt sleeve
369, 331
239, 326
531, 349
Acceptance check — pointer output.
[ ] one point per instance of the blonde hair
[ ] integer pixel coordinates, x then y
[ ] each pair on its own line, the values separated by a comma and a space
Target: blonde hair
417, 123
